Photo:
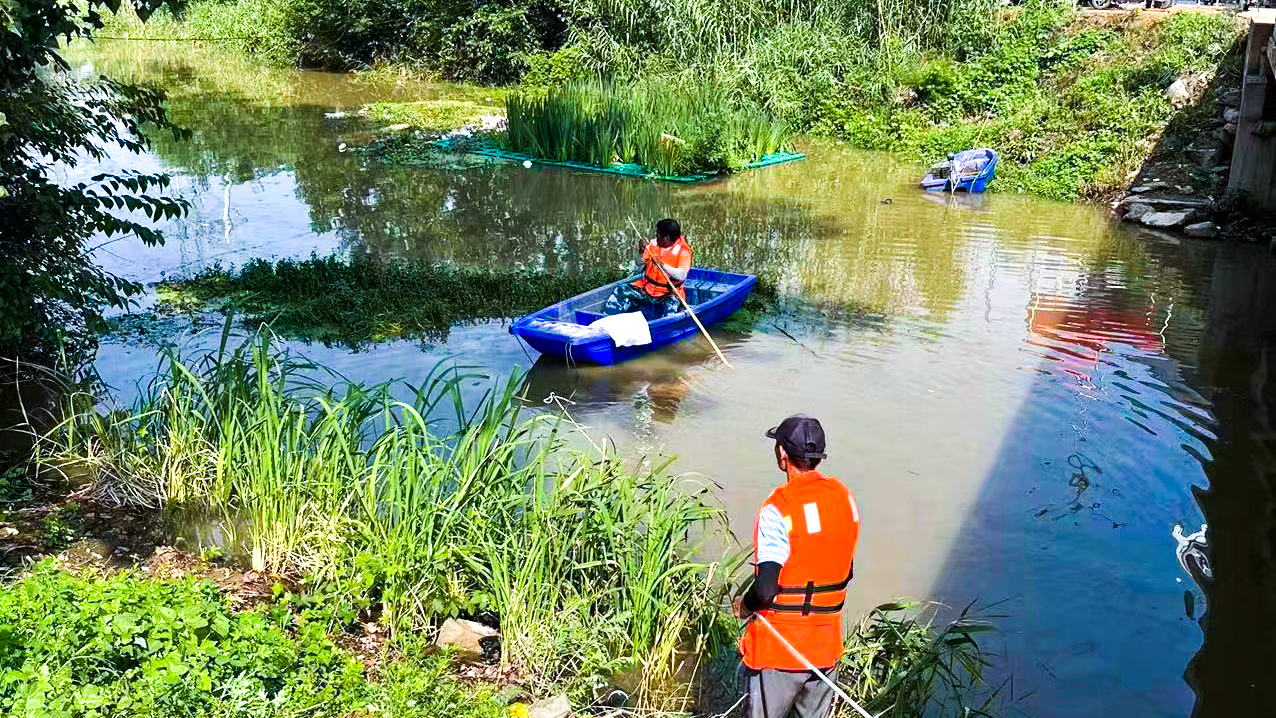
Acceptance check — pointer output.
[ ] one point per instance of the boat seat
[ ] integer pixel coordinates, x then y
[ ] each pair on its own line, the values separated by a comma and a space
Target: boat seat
586, 318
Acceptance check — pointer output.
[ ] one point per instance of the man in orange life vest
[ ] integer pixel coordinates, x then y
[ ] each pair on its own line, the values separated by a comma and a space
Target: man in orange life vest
653, 293
804, 548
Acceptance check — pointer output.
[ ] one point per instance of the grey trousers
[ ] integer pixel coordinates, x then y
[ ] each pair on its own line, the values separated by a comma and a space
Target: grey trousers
773, 694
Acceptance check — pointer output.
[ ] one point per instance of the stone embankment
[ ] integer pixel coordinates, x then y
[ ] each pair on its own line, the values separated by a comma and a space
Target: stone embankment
1181, 191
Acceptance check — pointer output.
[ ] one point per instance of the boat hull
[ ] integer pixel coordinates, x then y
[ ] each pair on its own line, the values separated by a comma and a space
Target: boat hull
975, 183
561, 331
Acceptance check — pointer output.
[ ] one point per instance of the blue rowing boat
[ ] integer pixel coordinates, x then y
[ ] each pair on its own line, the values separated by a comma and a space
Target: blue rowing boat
562, 331
969, 171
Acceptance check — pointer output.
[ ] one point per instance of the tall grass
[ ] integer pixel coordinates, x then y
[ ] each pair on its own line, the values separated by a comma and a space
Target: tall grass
431, 505
668, 128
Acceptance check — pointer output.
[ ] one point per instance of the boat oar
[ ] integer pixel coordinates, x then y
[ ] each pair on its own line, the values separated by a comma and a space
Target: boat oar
810, 667
690, 311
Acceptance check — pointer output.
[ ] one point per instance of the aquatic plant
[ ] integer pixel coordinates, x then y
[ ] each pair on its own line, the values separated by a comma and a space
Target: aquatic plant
429, 504
902, 661
364, 299
433, 115
668, 128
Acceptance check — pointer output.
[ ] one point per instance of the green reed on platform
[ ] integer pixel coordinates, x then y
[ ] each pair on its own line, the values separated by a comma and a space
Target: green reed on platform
670, 128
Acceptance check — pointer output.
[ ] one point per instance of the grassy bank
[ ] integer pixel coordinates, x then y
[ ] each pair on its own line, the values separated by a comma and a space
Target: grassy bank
331, 299
397, 513
1074, 101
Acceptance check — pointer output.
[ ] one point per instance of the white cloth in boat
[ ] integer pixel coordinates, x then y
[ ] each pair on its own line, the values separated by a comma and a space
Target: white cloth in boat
626, 330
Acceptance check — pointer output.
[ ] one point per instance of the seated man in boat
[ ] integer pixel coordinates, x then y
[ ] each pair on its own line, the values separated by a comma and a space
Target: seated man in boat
666, 262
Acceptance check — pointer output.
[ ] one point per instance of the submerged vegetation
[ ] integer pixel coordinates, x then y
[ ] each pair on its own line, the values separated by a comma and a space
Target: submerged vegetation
363, 299
402, 505
668, 129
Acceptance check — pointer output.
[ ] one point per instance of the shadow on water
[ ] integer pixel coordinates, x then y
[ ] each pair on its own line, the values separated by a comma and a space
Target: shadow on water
1189, 369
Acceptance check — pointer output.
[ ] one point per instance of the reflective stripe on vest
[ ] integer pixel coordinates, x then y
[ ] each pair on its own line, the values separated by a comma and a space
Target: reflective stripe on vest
653, 280
823, 524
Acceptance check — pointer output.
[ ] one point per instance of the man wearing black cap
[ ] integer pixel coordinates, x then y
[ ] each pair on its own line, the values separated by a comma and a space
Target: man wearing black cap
804, 549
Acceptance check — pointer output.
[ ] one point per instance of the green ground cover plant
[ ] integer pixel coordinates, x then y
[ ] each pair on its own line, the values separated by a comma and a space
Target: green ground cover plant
75, 646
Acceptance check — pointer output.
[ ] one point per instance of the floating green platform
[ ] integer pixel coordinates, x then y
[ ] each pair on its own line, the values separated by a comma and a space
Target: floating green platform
620, 168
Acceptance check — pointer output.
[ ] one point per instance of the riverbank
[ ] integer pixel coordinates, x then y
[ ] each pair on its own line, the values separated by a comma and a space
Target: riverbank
366, 521
1074, 101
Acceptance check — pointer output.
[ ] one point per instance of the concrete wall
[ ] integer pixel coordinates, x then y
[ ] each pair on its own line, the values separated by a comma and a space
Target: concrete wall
1254, 154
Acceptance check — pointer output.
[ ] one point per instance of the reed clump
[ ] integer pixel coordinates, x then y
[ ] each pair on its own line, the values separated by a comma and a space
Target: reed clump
412, 502
669, 129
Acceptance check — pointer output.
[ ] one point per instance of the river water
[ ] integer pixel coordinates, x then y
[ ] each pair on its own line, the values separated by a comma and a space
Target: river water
1024, 396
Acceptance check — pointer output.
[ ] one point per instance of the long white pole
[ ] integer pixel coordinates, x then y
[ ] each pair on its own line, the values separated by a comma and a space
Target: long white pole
819, 674
692, 312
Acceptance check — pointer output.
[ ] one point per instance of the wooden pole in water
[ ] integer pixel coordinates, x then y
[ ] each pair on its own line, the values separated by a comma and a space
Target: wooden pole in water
694, 318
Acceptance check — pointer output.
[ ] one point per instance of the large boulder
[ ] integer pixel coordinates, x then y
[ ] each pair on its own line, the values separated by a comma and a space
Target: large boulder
1231, 115
467, 637
1187, 90
1204, 230
1137, 211
556, 707
1231, 98
1166, 219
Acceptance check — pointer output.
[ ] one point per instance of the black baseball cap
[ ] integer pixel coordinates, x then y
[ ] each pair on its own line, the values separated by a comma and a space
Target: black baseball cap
801, 436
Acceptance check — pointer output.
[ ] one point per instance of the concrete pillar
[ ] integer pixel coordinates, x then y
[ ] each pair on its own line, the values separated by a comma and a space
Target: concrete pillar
1254, 154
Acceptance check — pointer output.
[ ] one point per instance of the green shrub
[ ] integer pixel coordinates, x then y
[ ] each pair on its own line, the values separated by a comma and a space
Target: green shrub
79, 646
568, 64
490, 46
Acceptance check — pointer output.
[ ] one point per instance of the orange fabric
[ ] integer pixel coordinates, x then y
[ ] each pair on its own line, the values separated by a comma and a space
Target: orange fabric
823, 523
676, 255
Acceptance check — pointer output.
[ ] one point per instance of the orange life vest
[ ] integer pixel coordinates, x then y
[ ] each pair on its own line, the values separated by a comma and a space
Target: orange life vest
823, 522
653, 281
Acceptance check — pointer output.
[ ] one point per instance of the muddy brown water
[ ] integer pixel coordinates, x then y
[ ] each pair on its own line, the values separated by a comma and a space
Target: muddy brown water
1025, 397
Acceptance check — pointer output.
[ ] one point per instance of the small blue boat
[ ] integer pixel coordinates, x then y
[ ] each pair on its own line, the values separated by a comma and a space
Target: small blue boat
562, 331
968, 171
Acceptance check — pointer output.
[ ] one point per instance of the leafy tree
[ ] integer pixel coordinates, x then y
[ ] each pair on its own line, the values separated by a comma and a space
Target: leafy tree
51, 293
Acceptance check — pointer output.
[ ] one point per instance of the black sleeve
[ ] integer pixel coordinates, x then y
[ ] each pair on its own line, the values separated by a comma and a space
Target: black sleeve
765, 587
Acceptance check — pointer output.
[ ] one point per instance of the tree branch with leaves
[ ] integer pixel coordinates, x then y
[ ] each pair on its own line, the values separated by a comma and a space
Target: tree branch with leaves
52, 294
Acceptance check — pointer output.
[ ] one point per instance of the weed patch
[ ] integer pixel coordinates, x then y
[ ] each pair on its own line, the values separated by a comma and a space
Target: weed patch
438, 116
363, 299
126, 645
